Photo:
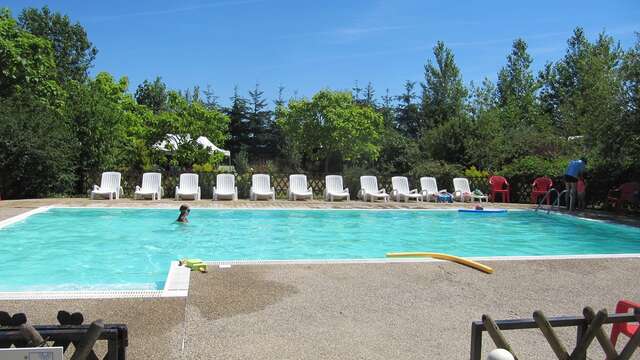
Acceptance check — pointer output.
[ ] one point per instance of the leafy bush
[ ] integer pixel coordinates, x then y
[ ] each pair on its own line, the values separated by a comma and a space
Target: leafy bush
203, 168
36, 150
396, 153
472, 172
447, 141
243, 182
242, 162
535, 166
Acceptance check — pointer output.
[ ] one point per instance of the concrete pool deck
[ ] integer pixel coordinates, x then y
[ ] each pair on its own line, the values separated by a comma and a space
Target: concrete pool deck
339, 311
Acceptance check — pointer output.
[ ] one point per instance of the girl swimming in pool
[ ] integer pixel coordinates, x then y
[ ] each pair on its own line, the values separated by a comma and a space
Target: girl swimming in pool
184, 212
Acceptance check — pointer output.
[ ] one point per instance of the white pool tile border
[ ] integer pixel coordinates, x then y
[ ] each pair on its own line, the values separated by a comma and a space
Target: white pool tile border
77, 295
227, 263
177, 283
24, 215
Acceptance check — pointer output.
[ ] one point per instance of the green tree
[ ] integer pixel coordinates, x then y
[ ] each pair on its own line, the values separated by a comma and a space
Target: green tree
584, 95
487, 148
517, 87
446, 142
397, 152
443, 92
74, 53
483, 98
630, 147
387, 110
97, 119
369, 96
27, 64
238, 122
259, 125
189, 121
330, 125
356, 92
408, 113
562, 85
153, 95
602, 122
210, 98
36, 149
289, 157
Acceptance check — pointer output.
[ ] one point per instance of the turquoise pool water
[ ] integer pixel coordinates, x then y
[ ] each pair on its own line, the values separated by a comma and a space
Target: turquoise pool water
82, 249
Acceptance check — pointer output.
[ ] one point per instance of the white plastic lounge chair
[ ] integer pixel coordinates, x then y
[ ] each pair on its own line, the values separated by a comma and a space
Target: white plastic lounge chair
298, 188
225, 187
369, 189
261, 187
151, 186
400, 185
334, 188
429, 188
462, 191
109, 186
188, 187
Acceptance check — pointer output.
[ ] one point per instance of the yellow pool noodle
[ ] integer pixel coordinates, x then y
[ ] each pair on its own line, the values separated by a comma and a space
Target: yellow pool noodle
456, 259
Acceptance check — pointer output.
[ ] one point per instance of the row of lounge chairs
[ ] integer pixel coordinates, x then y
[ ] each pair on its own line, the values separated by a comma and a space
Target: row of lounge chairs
261, 188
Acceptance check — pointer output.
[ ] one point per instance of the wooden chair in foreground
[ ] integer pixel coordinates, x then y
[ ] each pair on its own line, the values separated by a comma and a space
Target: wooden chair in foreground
589, 328
16, 332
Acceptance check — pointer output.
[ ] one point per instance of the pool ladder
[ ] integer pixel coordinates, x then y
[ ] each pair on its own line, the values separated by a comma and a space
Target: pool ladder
556, 202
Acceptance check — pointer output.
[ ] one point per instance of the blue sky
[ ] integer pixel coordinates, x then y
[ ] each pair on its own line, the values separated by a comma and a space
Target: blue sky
307, 46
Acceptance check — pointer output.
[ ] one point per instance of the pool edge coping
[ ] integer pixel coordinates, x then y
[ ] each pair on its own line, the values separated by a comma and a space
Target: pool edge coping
17, 218
226, 263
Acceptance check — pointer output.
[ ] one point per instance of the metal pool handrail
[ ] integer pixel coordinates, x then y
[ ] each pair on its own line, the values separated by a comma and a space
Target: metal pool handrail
556, 202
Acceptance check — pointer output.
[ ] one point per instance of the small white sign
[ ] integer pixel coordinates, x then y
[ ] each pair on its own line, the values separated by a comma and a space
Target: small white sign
38, 353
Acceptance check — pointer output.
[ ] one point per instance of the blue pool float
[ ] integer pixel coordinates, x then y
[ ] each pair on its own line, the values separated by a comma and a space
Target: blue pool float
485, 211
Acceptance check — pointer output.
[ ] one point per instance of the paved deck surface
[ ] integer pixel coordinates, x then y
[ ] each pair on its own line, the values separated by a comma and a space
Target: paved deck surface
348, 311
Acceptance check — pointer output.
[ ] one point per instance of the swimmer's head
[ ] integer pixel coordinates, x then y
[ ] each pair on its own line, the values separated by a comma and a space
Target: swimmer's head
184, 208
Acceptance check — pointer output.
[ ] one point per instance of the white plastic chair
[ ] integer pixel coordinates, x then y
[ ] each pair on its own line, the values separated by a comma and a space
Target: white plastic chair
109, 186
462, 191
298, 188
369, 189
261, 187
429, 188
400, 185
188, 187
334, 188
225, 187
151, 186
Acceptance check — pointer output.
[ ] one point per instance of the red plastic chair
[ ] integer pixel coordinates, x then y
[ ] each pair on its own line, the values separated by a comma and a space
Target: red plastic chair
499, 185
624, 306
625, 193
540, 187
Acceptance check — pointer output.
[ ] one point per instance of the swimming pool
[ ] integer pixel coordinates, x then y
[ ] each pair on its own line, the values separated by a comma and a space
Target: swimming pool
89, 249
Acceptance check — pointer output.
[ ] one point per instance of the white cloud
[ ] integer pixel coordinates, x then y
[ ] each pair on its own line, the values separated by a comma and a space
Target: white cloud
172, 11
